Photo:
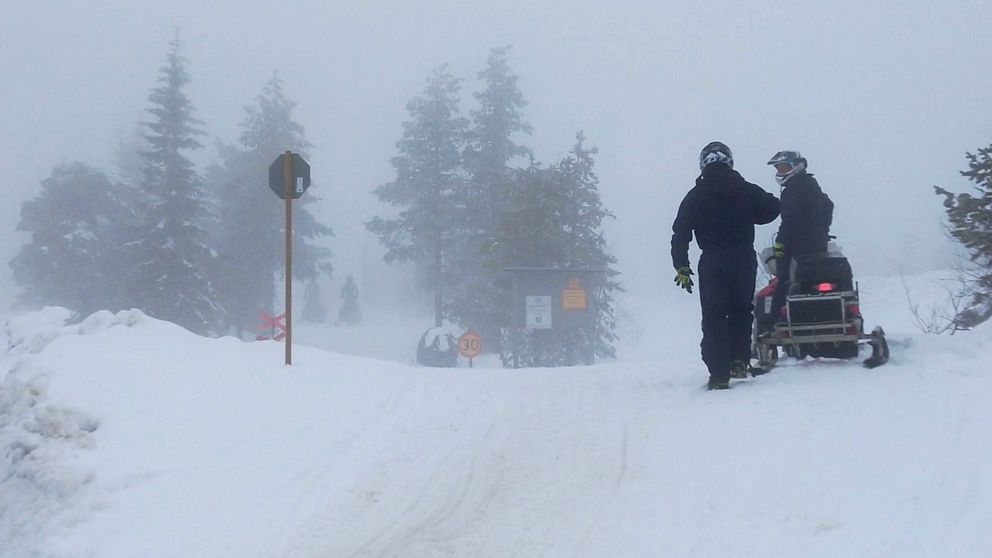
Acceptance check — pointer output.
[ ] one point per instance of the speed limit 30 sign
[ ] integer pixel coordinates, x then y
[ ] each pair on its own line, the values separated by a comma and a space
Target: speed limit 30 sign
470, 344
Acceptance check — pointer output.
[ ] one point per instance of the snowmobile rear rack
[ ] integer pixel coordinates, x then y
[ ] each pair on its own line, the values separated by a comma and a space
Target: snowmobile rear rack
822, 326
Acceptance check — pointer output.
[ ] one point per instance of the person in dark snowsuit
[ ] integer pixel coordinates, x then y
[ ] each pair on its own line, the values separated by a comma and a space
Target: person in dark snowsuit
807, 214
722, 210
349, 313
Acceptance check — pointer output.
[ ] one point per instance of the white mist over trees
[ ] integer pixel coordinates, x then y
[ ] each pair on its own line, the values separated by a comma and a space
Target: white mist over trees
251, 225
352, 83
205, 251
201, 252
857, 100
428, 178
466, 214
77, 225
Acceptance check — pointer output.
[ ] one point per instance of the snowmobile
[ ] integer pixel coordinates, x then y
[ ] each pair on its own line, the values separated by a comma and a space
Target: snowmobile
821, 316
437, 347
349, 314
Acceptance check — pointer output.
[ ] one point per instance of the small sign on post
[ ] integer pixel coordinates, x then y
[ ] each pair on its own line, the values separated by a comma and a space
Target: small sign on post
289, 177
538, 312
300, 175
470, 346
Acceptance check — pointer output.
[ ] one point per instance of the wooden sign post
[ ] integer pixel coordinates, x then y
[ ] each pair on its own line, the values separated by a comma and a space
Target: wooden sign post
289, 177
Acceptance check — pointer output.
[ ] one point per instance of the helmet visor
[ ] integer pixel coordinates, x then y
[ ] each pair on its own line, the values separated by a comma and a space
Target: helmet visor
783, 168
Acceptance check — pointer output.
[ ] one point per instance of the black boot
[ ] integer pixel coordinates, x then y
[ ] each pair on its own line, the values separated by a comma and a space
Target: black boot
739, 369
718, 383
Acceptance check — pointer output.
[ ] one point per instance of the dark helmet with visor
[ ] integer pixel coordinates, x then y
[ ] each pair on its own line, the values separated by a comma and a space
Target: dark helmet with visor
787, 164
715, 152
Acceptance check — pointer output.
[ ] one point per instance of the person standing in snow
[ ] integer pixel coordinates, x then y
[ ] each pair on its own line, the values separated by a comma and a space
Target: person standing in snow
806, 217
722, 210
349, 313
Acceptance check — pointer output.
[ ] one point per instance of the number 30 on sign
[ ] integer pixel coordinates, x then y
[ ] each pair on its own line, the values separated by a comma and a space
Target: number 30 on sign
470, 344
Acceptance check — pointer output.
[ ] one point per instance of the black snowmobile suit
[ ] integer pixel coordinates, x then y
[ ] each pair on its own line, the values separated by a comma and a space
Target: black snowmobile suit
722, 210
807, 214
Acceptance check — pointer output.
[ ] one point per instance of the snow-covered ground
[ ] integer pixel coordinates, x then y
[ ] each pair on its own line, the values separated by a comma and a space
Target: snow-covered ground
125, 436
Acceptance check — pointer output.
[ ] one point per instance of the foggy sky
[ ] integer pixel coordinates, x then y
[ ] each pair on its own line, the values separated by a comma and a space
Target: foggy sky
883, 98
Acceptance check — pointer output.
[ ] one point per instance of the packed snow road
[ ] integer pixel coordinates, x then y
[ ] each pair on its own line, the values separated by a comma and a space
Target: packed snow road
614, 461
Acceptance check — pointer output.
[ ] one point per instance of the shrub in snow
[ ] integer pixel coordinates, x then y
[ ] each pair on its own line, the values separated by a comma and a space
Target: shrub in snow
970, 223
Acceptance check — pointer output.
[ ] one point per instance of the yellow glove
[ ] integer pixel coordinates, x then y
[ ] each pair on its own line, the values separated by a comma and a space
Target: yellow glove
683, 278
779, 249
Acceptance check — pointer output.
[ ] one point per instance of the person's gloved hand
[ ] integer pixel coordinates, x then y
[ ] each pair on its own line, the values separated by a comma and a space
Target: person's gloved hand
683, 278
779, 249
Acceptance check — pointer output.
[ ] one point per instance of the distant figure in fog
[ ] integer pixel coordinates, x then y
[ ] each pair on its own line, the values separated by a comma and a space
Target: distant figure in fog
349, 314
313, 311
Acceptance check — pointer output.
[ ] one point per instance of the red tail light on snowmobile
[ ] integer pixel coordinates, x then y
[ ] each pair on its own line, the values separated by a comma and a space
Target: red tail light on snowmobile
854, 310
826, 287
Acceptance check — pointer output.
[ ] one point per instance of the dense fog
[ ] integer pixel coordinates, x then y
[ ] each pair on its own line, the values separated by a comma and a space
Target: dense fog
883, 102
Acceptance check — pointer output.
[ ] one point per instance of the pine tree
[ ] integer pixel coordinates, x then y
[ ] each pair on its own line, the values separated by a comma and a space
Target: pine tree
584, 224
970, 223
251, 225
167, 253
555, 220
478, 300
76, 226
429, 176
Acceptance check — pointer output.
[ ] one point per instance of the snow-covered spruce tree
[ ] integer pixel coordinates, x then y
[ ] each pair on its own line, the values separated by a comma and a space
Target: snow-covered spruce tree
584, 224
429, 176
167, 253
970, 223
478, 300
73, 257
530, 235
555, 220
250, 233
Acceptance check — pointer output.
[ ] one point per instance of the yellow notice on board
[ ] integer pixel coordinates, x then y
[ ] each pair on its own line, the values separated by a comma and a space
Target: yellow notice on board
573, 299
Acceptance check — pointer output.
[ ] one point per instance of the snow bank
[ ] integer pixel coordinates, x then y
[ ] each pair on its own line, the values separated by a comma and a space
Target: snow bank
106, 423
41, 493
